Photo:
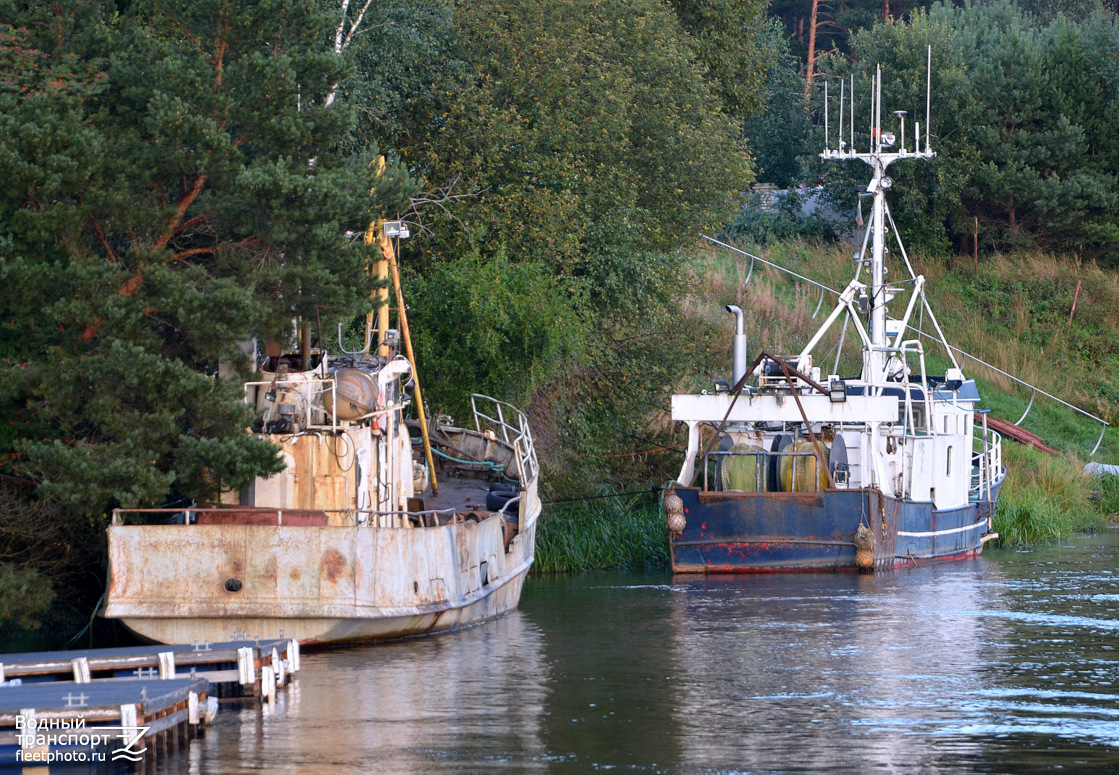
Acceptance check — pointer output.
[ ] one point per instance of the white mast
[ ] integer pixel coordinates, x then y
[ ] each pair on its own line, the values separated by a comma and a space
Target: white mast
874, 361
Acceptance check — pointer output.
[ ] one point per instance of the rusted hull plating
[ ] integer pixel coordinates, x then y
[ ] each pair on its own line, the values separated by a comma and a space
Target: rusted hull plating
789, 532
319, 584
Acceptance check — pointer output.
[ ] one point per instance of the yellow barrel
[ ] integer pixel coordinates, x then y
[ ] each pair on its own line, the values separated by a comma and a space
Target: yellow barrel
810, 477
740, 471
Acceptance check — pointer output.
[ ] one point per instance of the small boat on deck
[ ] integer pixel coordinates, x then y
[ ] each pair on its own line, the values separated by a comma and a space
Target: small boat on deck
811, 471
357, 539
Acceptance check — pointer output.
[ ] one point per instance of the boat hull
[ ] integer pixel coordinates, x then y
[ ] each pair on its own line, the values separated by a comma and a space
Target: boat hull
790, 532
325, 631
318, 584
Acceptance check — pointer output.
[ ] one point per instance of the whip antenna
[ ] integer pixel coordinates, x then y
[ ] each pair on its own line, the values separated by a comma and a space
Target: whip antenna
928, 103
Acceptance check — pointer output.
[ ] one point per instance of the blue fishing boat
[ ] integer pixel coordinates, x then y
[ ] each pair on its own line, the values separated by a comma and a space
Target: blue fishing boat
808, 470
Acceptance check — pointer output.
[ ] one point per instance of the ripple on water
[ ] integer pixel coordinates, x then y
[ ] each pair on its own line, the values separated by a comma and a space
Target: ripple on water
1006, 664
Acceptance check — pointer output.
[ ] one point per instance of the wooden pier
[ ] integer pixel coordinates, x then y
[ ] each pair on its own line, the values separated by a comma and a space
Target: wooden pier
233, 668
102, 707
113, 720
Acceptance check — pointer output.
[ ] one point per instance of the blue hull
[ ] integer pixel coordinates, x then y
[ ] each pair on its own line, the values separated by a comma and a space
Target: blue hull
782, 532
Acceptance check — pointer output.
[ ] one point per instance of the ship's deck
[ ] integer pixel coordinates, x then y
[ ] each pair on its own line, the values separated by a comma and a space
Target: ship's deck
463, 493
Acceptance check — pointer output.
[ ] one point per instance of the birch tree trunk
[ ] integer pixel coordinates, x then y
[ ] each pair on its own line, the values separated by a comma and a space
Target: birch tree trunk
343, 38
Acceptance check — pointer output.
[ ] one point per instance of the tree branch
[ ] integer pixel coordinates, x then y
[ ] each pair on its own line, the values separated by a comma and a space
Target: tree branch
193, 221
101, 238
182, 254
185, 202
438, 198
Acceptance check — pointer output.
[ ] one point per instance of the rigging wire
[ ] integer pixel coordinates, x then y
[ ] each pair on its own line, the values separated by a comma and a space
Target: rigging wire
929, 337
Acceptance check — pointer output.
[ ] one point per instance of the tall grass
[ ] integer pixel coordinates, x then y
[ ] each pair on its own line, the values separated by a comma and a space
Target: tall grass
605, 533
1105, 494
779, 310
1046, 498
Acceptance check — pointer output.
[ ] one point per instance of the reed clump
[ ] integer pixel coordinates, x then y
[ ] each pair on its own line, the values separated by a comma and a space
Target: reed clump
615, 532
1046, 498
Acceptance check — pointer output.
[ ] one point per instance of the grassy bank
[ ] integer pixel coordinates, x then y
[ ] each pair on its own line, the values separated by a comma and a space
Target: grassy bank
1046, 497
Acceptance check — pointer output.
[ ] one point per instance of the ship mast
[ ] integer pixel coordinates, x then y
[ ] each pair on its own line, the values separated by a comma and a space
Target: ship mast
879, 159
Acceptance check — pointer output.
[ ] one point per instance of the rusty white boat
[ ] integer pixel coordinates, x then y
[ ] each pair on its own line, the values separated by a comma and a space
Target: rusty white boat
808, 470
357, 539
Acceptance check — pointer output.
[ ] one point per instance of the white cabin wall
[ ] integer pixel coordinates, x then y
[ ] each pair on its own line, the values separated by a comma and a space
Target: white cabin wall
853, 439
951, 483
922, 480
276, 491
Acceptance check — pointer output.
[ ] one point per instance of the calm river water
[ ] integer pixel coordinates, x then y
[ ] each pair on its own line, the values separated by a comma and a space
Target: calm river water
1006, 664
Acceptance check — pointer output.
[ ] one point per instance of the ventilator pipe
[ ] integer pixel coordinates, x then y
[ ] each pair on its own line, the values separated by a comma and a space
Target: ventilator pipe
738, 345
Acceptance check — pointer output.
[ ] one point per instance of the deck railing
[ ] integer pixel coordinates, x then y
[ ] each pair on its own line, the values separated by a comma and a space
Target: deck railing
188, 516
510, 424
986, 459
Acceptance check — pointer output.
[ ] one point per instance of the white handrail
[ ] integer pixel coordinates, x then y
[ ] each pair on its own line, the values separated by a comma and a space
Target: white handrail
522, 443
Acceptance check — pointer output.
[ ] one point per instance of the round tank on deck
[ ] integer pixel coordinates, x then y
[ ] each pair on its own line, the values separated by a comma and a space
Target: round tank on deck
356, 392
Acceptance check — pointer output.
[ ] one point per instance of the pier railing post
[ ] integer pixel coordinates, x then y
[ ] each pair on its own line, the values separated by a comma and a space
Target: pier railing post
245, 667
166, 665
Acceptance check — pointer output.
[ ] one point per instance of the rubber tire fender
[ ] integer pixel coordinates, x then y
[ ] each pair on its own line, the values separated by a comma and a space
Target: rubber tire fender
501, 493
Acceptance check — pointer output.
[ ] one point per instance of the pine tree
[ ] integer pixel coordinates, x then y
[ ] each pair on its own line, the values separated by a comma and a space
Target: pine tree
174, 184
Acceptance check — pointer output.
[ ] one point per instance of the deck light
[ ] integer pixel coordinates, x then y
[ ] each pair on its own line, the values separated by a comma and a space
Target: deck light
837, 390
398, 229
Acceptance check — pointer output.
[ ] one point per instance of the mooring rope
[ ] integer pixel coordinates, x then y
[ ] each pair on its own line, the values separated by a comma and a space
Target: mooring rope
654, 490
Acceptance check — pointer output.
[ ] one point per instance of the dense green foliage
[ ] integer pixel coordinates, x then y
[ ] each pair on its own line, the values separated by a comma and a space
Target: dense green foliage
1022, 122
161, 204
838, 21
734, 47
776, 133
586, 142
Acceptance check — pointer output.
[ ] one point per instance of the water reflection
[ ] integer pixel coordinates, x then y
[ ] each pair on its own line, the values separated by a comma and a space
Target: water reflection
613, 695
821, 672
1006, 664
469, 701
